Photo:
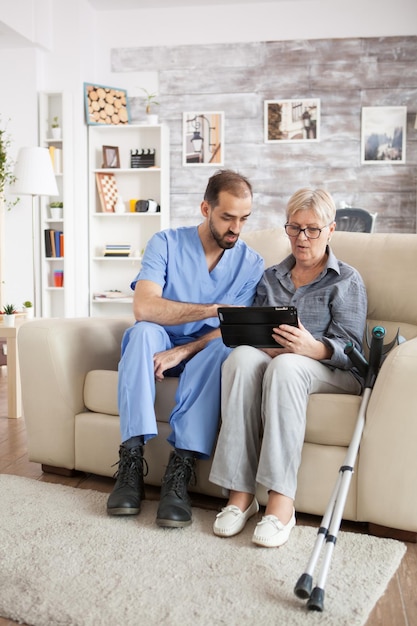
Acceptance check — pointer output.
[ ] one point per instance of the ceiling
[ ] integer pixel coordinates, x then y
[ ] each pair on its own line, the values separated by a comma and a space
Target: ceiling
10, 39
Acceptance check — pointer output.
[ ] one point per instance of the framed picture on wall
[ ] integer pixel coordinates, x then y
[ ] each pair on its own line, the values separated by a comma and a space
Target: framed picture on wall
291, 120
203, 138
105, 105
383, 134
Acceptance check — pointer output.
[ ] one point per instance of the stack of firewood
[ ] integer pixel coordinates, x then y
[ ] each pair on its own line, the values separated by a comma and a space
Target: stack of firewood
106, 105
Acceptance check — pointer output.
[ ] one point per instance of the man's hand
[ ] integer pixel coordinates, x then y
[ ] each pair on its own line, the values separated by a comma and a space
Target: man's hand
170, 358
167, 359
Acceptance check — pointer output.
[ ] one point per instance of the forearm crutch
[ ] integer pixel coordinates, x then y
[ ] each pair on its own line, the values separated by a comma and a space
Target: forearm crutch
332, 518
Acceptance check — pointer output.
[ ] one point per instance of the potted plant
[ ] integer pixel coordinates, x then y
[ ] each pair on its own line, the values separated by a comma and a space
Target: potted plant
150, 101
56, 210
56, 129
28, 309
9, 311
6, 167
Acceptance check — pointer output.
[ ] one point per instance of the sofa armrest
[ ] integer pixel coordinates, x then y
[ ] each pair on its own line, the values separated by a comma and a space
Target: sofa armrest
55, 356
388, 452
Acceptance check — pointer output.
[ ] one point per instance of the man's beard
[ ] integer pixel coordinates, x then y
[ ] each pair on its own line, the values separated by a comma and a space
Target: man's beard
219, 239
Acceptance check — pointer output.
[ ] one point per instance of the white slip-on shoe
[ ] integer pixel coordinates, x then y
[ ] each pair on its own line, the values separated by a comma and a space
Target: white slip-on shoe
231, 520
271, 533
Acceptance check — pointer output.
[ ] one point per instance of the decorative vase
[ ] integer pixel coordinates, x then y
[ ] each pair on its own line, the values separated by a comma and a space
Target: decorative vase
119, 207
151, 119
9, 320
56, 213
28, 311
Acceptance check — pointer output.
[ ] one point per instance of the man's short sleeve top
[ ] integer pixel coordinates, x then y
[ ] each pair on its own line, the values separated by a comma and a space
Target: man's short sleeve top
175, 260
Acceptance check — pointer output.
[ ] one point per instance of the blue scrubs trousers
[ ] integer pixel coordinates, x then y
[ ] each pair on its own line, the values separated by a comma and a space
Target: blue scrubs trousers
195, 418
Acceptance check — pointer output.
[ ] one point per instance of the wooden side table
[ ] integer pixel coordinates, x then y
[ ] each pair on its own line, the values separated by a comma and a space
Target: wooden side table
14, 392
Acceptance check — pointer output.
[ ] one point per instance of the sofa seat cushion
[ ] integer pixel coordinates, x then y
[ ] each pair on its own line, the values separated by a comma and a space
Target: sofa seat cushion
331, 418
100, 394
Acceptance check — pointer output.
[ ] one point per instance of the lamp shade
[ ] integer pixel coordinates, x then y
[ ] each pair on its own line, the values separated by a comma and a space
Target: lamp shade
34, 173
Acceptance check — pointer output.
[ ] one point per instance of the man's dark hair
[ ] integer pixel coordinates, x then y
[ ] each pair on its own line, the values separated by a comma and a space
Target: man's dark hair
226, 180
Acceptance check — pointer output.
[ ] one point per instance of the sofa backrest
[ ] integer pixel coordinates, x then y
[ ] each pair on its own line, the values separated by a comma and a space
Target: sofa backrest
386, 262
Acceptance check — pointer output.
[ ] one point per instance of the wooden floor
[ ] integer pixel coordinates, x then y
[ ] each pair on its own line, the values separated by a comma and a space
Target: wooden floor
397, 607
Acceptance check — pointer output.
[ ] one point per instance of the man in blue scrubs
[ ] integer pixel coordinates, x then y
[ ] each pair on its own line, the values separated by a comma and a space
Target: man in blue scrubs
186, 274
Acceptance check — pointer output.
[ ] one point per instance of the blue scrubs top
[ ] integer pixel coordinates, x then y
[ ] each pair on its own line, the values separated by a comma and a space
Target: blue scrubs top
175, 260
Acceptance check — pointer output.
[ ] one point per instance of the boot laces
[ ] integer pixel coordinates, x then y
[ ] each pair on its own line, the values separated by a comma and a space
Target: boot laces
180, 473
132, 467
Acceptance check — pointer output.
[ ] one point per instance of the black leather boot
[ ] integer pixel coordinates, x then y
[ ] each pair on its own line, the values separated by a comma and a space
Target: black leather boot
174, 509
129, 489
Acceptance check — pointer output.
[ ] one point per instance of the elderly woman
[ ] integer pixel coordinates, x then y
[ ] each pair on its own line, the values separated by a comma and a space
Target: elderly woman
265, 391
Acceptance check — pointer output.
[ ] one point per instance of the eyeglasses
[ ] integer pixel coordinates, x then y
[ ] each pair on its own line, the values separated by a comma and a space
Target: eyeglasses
311, 232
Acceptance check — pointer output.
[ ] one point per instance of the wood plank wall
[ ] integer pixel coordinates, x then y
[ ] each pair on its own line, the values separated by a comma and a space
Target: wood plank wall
345, 74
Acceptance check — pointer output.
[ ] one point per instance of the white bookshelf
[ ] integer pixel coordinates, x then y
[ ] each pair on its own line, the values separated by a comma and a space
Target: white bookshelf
58, 301
110, 275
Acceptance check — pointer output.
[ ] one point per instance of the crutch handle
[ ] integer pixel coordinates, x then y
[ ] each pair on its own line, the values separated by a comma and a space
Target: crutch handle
357, 358
375, 355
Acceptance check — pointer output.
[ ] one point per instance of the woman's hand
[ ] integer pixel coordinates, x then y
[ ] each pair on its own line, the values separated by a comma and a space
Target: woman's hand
298, 340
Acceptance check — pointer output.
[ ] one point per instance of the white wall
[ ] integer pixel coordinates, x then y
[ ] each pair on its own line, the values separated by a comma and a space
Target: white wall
24, 71
18, 103
78, 50
257, 21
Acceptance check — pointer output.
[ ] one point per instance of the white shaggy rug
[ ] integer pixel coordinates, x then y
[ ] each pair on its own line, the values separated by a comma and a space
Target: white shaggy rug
65, 562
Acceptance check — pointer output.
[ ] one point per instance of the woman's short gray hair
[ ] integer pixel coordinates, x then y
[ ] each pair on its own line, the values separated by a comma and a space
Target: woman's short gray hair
318, 200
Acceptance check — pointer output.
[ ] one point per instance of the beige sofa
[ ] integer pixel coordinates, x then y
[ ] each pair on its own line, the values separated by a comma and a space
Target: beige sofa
69, 381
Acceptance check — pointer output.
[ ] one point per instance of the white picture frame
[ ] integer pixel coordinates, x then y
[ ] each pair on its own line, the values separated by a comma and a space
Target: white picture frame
288, 121
383, 135
203, 138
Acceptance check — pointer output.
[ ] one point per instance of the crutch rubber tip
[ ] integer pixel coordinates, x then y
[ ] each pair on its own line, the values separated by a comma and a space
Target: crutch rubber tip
316, 600
303, 587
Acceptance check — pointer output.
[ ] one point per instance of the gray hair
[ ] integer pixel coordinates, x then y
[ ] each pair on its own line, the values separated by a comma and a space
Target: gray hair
318, 200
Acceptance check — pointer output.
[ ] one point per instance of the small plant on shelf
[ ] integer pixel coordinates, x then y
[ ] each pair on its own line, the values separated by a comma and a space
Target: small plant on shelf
56, 205
150, 101
28, 309
9, 309
56, 129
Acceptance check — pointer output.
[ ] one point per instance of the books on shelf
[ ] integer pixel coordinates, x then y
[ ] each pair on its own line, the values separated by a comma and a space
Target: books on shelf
54, 243
56, 158
113, 295
117, 249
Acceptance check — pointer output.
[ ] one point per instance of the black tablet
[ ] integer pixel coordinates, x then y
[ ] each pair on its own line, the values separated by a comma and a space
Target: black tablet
253, 326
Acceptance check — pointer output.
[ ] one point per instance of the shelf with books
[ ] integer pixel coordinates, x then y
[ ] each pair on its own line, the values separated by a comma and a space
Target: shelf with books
127, 205
57, 296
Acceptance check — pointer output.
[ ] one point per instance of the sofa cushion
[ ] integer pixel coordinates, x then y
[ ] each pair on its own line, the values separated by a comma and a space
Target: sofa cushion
331, 418
100, 394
